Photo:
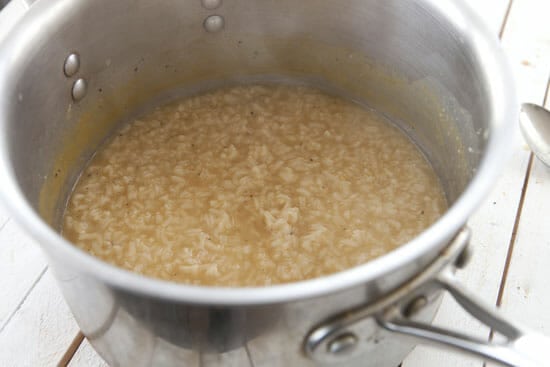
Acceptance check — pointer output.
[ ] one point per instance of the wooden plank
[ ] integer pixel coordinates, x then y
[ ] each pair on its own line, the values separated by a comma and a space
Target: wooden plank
527, 42
526, 296
492, 12
86, 356
21, 266
3, 216
41, 329
492, 224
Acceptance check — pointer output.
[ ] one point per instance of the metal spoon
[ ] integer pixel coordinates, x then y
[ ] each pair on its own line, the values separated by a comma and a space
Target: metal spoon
534, 122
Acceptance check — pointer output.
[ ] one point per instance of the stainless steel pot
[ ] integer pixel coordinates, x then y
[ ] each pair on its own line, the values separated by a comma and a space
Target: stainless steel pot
71, 69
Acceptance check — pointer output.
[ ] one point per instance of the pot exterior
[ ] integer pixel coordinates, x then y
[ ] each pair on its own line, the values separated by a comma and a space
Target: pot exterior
135, 330
429, 66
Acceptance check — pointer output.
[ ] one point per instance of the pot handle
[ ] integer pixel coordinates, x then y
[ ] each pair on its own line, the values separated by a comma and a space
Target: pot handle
10, 15
522, 348
336, 338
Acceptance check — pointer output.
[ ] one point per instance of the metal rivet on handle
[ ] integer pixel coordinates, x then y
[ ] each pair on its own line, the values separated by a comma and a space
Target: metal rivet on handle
71, 65
415, 306
79, 89
211, 4
214, 23
464, 258
342, 344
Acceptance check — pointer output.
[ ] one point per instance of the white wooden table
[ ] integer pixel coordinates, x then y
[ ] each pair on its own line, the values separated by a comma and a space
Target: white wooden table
511, 235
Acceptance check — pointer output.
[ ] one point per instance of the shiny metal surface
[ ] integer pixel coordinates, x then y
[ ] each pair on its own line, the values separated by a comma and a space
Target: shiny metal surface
343, 344
521, 348
402, 301
415, 306
464, 258
535, 125
80, 87
397, 312
211, 4
71, 65
430, 66
214, 23
9, 16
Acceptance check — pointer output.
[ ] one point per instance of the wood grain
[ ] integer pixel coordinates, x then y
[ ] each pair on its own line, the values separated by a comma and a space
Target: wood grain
40, 331
86, 356
525, 293
22, 265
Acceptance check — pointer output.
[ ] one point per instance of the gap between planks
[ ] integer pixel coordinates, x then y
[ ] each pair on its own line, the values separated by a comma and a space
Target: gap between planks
505, 20
518, 215
4, 224
71, 350
11, 315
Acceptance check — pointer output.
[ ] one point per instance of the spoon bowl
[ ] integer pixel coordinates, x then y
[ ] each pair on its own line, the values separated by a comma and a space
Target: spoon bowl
534, 122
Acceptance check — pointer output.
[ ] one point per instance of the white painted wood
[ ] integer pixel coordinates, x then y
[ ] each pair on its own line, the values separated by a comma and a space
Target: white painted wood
3, 216
41, 329
21, 265
527, 294
491, 11
527, 42
526, 297
86, 356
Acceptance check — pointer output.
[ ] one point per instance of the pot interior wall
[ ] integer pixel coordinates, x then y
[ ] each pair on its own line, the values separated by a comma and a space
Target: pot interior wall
396, 57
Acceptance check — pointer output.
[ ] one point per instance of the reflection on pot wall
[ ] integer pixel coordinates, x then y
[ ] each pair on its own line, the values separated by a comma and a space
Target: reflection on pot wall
419, 85
167, 333
408, 60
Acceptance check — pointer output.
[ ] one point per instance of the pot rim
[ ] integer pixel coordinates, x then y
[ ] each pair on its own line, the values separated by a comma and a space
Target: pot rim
503, 115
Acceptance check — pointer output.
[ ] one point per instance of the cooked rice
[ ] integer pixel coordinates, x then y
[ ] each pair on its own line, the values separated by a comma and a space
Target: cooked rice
251, 186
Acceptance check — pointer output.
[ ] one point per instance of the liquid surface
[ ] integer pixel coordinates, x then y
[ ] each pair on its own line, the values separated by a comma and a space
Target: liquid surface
252, 186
